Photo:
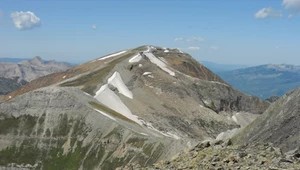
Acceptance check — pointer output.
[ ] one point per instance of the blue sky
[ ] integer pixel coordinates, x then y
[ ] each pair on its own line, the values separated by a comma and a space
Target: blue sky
248, 32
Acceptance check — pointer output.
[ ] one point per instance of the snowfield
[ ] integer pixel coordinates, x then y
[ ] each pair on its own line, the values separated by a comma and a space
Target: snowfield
135, 58
159, 63
108, 98
118, 83
112, 55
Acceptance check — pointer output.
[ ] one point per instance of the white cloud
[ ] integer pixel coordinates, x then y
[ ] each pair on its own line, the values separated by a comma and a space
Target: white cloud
267, 12
292, 5
193, 48
214, 47
25, 20
290, 15
191, 40
94, 27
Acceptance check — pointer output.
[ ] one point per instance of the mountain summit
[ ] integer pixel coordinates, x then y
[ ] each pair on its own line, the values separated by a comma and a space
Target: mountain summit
137, 106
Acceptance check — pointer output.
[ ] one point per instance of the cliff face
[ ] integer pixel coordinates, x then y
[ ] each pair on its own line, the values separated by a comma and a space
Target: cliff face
136, 106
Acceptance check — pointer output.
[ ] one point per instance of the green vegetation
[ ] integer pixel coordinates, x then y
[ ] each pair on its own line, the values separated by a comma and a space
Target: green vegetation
213, 106
23, 124
25, 154
63, 127
136, 142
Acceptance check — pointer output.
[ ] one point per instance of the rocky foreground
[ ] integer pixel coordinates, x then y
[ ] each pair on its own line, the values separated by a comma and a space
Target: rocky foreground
220, 155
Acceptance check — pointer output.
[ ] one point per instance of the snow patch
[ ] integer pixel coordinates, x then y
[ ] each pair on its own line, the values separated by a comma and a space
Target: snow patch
9, 97
135, 58
106, 114
64, 77
168, 134
112, 55
148, 50
227, 134
166, 51
140, 65
86, 94
147, 73
152, 47
173, 135
118, 83
143, 134
216, 82
159, 63
107, 97
234, 119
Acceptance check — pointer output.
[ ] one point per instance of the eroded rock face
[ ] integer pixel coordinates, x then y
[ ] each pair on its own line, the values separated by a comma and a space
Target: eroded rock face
56, 128
272, 99
279, 124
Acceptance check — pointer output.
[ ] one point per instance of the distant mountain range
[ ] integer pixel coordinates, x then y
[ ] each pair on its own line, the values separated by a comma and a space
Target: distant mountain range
15, 72
216, 67
12, 60
265, 80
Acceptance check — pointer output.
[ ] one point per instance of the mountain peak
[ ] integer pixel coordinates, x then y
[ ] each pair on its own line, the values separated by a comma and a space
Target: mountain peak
36, 60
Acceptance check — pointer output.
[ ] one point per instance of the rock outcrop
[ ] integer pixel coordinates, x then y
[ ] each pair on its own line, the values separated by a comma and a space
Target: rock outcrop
222, 155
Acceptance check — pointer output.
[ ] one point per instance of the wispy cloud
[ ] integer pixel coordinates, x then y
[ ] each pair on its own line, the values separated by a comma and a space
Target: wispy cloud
193, 48
214, 47
25, 20
267, 12
94, 27
192, 40
290, 15
293, 5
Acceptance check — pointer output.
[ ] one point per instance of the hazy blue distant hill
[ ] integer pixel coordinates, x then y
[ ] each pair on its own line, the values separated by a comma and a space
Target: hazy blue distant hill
265, 80
215, 67
12, 60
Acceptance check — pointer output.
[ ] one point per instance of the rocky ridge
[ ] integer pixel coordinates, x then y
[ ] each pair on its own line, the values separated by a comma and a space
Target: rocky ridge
223, 155
279, 124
